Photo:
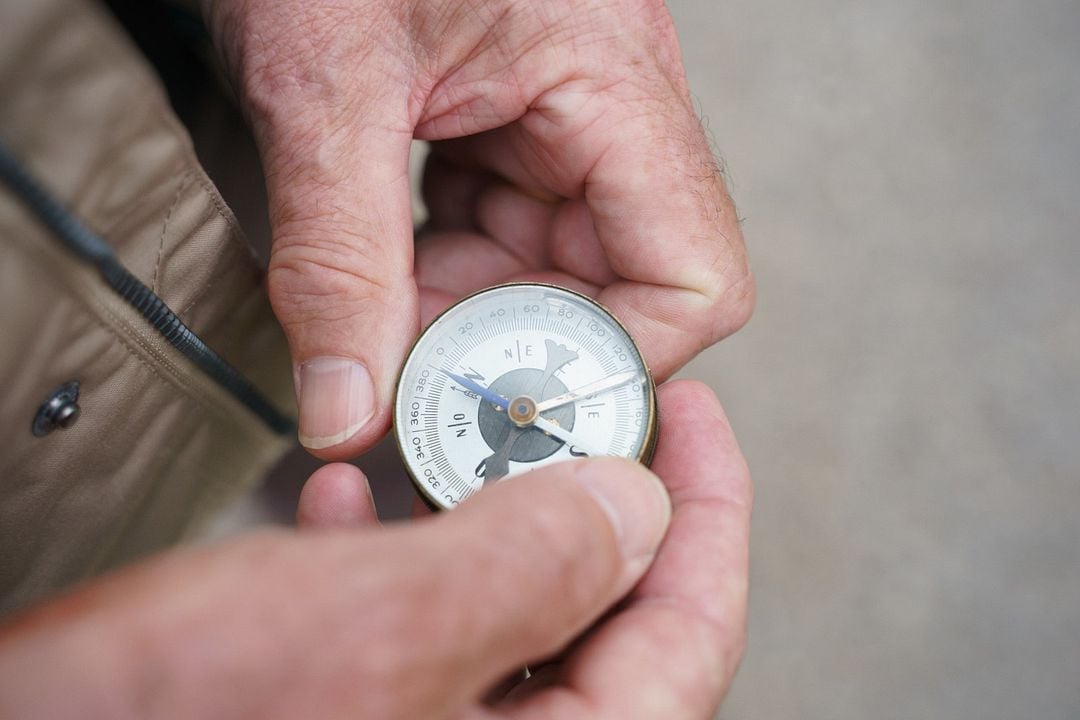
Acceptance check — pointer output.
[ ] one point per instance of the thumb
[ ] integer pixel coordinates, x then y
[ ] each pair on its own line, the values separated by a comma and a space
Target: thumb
538, 558
327, 94
340, 278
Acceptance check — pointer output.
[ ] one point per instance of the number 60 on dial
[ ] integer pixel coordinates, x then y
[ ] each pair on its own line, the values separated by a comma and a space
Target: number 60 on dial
516, 377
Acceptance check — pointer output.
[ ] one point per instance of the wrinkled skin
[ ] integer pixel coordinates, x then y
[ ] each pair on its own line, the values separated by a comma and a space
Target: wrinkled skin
344, 619
566, 150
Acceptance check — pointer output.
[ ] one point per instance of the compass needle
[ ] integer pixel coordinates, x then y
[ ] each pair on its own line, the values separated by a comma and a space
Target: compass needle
497, 400
490, 381
608, 383
552, 429
497, 466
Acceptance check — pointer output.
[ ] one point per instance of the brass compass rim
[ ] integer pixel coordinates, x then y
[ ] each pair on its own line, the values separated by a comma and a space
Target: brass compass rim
648, 445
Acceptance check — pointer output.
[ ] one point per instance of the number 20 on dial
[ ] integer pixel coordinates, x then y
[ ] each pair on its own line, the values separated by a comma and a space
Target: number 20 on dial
516, 377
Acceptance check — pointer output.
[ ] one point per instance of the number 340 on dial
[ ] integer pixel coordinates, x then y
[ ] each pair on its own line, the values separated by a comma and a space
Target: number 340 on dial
516, 377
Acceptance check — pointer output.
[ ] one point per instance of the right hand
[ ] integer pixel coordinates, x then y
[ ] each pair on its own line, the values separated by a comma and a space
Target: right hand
422, 621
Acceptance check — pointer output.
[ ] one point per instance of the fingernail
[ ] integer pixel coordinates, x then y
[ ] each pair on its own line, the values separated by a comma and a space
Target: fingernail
635, 501
337, 398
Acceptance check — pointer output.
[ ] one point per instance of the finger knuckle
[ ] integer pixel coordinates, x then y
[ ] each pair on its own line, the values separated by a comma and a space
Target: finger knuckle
726, 280
735, 298
322, 279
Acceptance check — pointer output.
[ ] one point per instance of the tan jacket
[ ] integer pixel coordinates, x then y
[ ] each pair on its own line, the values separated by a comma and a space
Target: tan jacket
158, 444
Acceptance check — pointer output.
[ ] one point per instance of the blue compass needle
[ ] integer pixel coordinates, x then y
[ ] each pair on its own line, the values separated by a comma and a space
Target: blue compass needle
497, 400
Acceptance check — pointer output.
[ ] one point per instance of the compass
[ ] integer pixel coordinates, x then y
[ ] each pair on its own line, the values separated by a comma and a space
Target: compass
516, 377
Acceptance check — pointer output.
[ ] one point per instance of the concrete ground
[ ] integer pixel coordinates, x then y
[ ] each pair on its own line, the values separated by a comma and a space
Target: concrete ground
908, 393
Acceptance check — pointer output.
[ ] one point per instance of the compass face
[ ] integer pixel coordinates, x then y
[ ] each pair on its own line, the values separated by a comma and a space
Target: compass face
514, 378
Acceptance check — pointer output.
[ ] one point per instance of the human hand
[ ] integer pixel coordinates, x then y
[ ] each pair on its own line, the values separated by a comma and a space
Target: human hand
567, 150
422, 621
670, 648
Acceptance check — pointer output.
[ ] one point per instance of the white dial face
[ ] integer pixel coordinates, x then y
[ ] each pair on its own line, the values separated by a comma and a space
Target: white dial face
514, 378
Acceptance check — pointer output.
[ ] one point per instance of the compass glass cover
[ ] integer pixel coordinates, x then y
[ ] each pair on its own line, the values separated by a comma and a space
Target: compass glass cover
514, 378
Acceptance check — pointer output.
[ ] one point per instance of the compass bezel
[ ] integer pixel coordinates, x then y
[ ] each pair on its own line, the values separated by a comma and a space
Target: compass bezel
648, 445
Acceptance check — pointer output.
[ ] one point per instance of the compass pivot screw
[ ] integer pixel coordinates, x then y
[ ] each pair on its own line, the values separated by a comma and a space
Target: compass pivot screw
522, 410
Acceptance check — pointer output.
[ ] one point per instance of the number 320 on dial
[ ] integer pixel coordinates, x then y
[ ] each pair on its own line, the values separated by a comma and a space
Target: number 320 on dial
516, 377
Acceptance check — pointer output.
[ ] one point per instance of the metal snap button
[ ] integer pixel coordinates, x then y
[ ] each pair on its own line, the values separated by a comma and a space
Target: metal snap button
60, 410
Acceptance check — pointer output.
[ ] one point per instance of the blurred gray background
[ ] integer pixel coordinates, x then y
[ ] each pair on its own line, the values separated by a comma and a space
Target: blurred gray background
908, 392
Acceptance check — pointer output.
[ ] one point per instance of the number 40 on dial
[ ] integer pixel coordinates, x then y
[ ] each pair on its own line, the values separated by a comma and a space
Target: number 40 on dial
516, 377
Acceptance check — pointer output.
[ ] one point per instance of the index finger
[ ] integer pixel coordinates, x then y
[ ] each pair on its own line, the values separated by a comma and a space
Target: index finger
659, 209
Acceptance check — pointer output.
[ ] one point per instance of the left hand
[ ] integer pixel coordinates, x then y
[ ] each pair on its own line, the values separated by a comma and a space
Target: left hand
566, 150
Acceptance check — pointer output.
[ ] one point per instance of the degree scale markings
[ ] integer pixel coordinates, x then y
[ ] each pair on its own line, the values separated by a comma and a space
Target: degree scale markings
451, 441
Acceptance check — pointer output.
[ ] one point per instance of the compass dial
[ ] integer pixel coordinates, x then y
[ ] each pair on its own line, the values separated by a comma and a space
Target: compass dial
516, 377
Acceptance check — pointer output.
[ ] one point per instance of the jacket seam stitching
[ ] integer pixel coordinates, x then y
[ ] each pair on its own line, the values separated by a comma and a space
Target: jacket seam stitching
165, 229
